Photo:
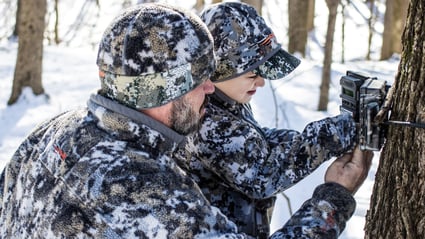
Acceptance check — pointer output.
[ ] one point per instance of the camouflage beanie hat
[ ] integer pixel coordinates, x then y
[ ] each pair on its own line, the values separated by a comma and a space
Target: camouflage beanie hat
152, 54
243, 42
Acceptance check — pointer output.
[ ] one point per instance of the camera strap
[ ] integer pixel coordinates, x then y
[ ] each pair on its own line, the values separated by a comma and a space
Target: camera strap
405, 123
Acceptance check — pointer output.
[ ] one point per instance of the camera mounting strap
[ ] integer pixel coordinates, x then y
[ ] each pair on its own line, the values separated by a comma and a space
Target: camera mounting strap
405, 123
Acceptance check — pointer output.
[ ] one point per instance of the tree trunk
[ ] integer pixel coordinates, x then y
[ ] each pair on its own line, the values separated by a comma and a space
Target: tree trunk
343, 15
57, 40
371, 25
327, 62
18, 9
310, 15
398, 201
199, 5
28, 67
395, 18
297, 30
257, 4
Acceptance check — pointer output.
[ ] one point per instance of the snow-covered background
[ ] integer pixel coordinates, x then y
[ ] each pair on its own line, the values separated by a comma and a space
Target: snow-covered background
70, 75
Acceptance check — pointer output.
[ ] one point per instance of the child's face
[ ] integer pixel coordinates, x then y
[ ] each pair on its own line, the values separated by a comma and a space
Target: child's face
241, 88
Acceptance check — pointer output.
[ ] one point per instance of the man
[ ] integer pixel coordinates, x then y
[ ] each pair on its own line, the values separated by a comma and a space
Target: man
106, 171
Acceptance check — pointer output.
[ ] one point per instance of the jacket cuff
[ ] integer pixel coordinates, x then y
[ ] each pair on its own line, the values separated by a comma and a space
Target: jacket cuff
339, 197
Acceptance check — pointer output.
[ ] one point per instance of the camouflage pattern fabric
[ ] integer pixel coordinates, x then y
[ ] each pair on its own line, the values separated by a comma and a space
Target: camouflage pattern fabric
148, 90
100, 174
308, 222
243, 42
241, 166
107, 173
152, 54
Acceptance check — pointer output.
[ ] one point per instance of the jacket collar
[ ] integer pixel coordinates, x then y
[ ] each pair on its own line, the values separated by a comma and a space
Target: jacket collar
126, 113
222, 97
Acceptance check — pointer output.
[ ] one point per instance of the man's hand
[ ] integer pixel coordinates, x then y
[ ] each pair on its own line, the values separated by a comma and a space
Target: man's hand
350, 170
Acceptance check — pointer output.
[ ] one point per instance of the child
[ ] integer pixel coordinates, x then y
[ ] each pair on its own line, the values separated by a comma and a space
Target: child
240, 165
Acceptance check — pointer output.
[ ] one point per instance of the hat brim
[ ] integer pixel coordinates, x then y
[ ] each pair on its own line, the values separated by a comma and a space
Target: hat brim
278, 66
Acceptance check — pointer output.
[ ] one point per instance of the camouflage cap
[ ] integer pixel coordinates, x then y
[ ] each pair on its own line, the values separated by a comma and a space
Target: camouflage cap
243, 42
152, 54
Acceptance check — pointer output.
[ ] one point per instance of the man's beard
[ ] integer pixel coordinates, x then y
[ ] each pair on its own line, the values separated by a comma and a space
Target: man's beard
184, 119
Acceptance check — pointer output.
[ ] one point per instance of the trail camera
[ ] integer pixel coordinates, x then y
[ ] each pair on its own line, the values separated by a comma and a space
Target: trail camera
363, 97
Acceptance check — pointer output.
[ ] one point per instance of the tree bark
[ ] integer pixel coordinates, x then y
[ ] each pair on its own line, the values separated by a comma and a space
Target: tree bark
395, 18
18, 9
257, 4
199, 5
310, 15
28, 68
371, 25
327, 62
297, 30
57, 40
398, 201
